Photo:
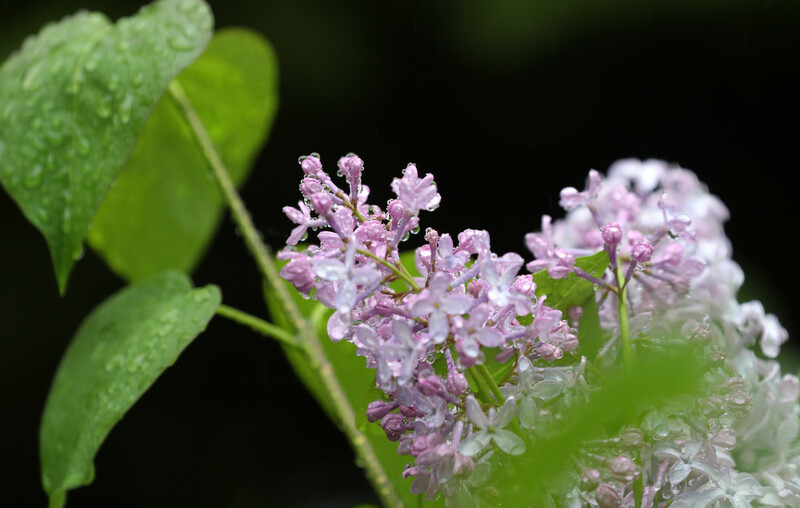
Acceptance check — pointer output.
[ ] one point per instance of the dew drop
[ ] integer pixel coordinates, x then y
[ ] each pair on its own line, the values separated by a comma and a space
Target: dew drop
56, 138
91, 65
31, 78
200, 296
180, 43
103, 110
34, 177
125, 108
113, 82
415, 230
83, 145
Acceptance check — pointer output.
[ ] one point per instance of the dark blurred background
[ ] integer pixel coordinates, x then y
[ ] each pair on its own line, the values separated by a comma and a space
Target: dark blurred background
506, 102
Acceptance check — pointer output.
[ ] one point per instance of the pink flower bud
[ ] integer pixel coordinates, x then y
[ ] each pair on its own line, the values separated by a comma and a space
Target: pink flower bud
607, 496
322, 202
549, 352
311, 165
590, 479
524, 284
300, 272
642, 252
612, 234
309, 186
430, 385
456, 383
351, 166
394, 426
378, 409
395, 208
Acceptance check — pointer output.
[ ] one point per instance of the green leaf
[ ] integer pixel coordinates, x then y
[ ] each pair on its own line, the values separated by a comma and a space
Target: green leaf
621, 401
163, 209
571, 290
73, 100
117, 354
590, 333
355, 378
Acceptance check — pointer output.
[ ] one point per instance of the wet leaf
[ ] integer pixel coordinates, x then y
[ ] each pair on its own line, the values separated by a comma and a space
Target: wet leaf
116, 355
571, 290
73, 100
163, 209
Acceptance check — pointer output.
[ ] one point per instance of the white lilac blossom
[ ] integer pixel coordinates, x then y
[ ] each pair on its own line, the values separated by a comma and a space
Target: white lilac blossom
477, 364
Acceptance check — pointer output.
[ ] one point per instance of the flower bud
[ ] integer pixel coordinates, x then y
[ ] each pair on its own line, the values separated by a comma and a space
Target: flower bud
393, 426
622, 469
351, 166
725, 438
717, 358
430, 385
310, 186
311, 165
524, 285
409, 411
712, 406
739, 402
607, 496
612, 234
642, 252
300, 272
432, 237
575, 313
590, 479
456, 383
378, 409
631, 438
549, 352
395, 208
322, 202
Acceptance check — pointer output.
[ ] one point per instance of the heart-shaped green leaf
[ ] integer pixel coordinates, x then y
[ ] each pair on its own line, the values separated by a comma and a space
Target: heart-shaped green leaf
163, 209
116, 355
73, 100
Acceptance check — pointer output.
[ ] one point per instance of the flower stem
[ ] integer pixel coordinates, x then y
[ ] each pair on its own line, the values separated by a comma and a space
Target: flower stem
401, 272
489, 380
306, 336
628, 357
259, 325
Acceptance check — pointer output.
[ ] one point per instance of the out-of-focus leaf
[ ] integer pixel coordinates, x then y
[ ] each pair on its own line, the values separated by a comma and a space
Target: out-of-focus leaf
527, 480
73, 100
116, 355
163, 209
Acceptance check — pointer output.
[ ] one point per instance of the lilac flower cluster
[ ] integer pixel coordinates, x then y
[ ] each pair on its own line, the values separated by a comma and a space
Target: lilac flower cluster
432, 336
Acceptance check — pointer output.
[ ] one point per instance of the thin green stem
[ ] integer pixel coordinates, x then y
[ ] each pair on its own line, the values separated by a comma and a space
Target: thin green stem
628, 357
307, 338
489, 380
259, 325
401, 272
483, 388
240, 215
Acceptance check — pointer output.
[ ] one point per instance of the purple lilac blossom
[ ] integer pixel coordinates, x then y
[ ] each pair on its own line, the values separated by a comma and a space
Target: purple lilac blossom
663, 232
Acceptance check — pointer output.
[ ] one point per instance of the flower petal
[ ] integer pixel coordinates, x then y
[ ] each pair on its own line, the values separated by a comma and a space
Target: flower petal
474, 443
509, 442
